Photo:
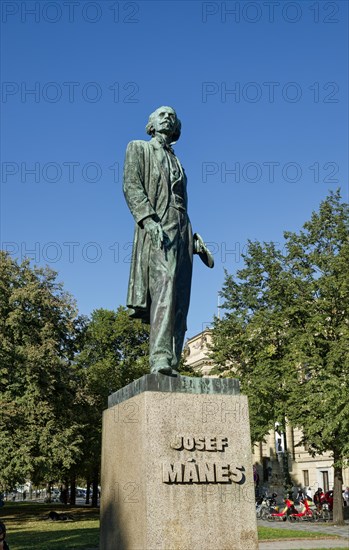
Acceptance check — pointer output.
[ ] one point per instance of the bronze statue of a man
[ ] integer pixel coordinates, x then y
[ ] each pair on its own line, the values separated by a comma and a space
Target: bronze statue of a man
155, 188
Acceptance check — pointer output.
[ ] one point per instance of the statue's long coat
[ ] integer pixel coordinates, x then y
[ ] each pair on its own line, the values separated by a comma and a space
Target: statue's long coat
147, 192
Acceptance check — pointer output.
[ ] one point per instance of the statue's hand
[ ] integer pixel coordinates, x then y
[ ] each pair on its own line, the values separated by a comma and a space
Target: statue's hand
155, 232
197, 246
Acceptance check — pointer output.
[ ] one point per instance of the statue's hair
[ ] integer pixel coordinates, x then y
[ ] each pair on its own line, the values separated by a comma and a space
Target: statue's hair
177, 129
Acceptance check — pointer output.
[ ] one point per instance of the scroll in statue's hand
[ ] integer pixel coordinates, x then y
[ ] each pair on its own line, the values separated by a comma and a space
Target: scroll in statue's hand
155, 232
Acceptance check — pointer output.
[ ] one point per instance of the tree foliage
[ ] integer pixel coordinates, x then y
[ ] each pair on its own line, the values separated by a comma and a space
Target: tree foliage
114, 352
57, 370
38, 325
286, 333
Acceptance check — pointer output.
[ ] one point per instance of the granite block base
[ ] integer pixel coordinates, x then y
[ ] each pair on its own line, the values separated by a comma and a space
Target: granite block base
177, 467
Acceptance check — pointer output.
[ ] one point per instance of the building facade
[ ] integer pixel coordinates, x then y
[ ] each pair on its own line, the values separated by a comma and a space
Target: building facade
280, 453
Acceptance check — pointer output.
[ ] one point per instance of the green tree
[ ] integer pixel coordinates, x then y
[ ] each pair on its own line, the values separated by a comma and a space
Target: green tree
286, 334
39, 436
319, 256
114, 352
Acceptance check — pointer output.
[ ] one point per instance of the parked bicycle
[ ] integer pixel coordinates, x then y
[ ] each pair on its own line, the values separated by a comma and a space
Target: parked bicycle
285, 513
265, 506
305, 513
324, 513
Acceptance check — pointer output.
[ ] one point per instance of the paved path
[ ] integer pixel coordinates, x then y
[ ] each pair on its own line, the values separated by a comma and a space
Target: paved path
303, 544
327, 529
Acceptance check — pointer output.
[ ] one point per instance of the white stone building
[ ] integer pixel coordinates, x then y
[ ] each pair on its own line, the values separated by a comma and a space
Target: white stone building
269, 457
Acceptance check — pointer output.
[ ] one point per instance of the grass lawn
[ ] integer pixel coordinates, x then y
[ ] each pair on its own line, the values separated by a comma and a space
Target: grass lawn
27, 528
270, 533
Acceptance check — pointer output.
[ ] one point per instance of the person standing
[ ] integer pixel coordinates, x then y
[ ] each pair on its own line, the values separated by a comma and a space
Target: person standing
346, 496
3, 543
309, 493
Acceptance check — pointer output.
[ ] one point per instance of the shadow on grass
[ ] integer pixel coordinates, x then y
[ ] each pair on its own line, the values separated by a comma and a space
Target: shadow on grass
69, 539
29, 510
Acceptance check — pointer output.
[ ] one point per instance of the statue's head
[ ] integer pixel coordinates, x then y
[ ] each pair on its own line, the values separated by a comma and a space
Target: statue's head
164, 121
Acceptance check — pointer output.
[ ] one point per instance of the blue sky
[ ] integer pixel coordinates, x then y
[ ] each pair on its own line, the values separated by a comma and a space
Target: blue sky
262, 95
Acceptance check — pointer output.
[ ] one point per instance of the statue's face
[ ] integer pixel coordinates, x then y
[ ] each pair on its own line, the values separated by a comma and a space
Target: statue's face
164, 121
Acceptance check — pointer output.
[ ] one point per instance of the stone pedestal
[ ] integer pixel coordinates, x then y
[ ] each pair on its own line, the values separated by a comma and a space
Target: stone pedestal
177, 467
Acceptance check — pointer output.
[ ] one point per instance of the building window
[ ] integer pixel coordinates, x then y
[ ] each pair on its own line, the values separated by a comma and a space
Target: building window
325, 483
279, 441
305, 478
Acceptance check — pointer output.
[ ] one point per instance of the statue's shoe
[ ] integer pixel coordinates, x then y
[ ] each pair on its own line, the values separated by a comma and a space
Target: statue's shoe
163, 368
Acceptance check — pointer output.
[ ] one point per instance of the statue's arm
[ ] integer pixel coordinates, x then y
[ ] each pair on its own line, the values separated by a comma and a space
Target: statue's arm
134, 185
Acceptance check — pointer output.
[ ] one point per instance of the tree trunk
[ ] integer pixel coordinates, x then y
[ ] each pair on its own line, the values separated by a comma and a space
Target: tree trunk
95, 488
64, 493
73, 491
48, 492
88, 491
338, 517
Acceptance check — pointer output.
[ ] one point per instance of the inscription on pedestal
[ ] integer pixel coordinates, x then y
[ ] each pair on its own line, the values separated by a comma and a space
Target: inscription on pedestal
191, 443
201, 472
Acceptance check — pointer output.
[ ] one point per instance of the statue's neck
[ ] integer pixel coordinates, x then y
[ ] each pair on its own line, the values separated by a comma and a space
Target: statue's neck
163, 138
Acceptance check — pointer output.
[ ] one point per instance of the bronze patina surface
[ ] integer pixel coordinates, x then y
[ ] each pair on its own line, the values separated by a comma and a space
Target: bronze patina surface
155, 188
